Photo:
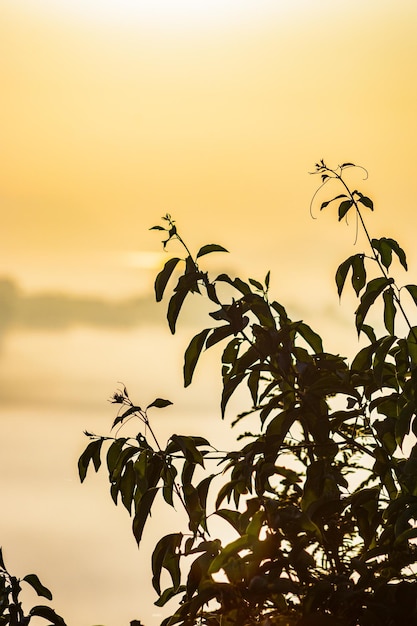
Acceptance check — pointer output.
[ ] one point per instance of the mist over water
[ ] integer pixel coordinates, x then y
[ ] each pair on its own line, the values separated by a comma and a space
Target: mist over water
53, 386
58, 368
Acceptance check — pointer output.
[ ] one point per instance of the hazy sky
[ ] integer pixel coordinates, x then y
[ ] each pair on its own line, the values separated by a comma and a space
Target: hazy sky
114, 112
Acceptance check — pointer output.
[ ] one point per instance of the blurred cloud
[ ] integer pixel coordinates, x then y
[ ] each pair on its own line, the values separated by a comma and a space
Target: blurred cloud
58, 310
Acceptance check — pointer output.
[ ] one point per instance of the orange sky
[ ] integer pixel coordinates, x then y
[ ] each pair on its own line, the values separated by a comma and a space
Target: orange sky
114, 112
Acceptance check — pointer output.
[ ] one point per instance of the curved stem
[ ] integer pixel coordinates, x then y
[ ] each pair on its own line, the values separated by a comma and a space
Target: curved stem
375, 257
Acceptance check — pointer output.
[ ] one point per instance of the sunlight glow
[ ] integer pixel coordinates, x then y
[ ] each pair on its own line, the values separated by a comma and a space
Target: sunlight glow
164, 13
144, 259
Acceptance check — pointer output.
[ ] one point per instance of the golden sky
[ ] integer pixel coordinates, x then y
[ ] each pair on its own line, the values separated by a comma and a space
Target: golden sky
114, 112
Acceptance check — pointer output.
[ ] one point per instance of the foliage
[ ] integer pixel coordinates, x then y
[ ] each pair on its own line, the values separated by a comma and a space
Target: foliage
323, 498
11, 611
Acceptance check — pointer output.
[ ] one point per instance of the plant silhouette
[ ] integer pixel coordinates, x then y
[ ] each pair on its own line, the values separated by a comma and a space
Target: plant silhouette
322, 497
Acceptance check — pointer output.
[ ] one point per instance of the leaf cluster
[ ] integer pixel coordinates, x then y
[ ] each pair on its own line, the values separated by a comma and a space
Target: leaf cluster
11, 610
322, 500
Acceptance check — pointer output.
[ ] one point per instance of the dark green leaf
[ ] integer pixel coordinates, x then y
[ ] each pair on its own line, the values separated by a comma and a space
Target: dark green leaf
244, 362
211, 290
167, 594
384, 250
402, 424
189, 282
385, 247
283, 317
221, 314
188, 611
127, 486
412, 344
341, 274
399, 252
366, 201
412, 290
228, 551
163, 278
261, 308
279, 426
239, 284
369, 332
114, 491
189, 447
154, 469
174, 308
229, 386
233, 517
311, 337
172, 231
195, 512
386, 405
192, 355
169, 475
408, 534
374, 288
344, 208
253, 384
380, 355
254, 527
256, 284
143, 509
314, 484
47, 613
190, 267
113, 453
324, 204
225, 492
172, 563
212, 247
242, 286
274, 402
404, 517
402, 360
291, 477
157, 228
36, 584
358, 273
122, 459
198, 572
129, 411
2, 565
165, 555
383, 468
224, 278
231, 351
91, 453
218, 334
159, 403
202, 490
389, 310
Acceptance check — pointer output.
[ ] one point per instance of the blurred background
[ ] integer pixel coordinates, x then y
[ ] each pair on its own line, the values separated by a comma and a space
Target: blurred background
114, 113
